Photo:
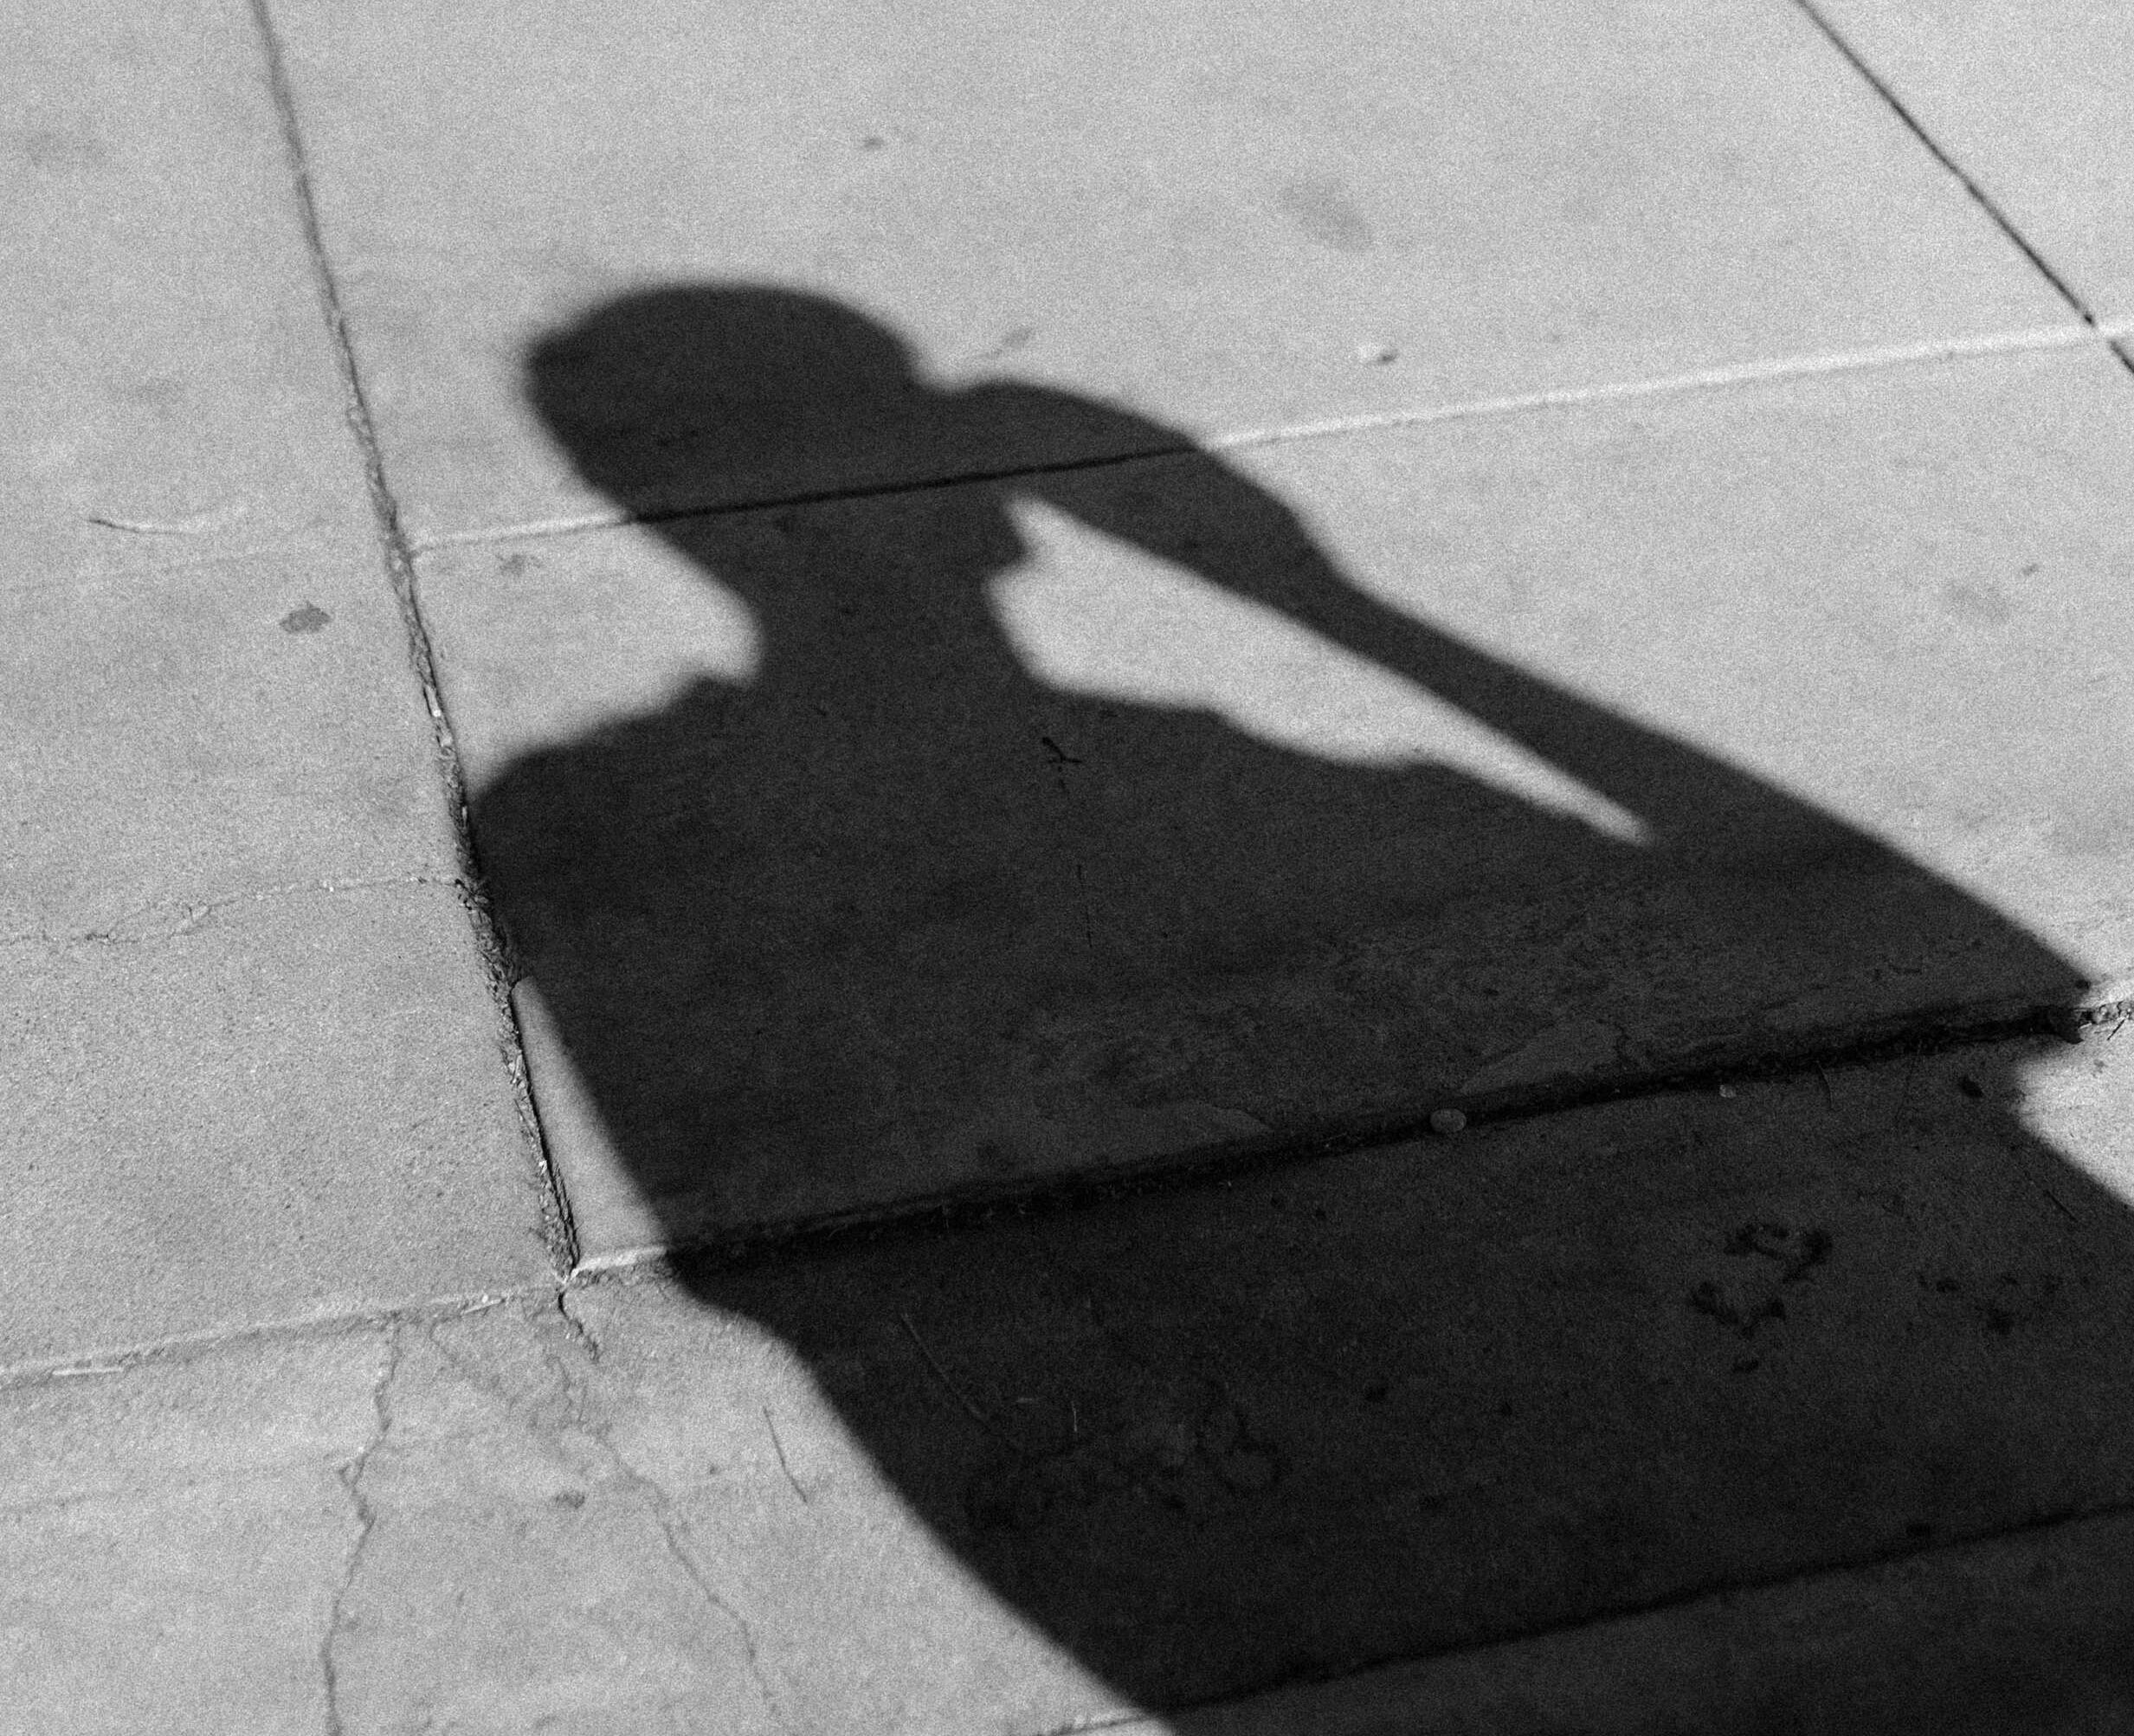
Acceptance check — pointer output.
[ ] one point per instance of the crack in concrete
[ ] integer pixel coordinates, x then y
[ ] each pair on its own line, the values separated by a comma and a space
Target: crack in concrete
579, 1332
657, 1500
351, 1476
192, 916
194, 524
528, 1409
785, 1465
672, 1529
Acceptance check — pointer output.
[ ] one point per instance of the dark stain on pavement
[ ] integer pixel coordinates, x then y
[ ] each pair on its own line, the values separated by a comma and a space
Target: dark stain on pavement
1797, 1251
1321, 208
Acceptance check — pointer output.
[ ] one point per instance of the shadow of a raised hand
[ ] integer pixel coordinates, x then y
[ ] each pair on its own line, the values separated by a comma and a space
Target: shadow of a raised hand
895, 920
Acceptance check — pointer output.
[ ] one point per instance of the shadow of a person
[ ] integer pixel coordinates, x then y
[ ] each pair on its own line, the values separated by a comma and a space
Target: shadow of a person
896, 918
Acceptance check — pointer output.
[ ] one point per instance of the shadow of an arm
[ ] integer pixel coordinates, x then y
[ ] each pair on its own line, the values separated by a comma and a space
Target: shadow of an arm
1197, 512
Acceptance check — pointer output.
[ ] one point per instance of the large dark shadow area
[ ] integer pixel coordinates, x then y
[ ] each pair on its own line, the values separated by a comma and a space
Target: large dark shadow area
894, 917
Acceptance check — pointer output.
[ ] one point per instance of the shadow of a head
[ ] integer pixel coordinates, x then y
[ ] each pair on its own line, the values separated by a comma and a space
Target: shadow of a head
686, 398
654, 393
897, 921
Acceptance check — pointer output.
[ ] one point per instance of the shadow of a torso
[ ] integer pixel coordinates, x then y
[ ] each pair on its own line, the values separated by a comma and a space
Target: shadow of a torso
815, 939
895, 917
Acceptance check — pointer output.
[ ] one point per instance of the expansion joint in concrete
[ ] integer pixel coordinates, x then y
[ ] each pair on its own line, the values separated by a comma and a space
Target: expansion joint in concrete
1135, 1722
171, 919
1811, 1056
1977, 193
120, 1360
399, 561
2118, 336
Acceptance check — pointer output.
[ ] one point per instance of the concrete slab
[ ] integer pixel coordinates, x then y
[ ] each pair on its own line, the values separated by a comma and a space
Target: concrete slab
205, 691
882, 849
492, 1524
253, 1070
2039, 117
164, 407
1041, 1474
655, 1521
172, 1538
282, 1105
176, 739
1224, 219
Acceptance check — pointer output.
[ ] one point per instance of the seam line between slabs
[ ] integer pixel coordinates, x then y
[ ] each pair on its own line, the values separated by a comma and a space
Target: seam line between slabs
1979, 195
398, 555
1739, 374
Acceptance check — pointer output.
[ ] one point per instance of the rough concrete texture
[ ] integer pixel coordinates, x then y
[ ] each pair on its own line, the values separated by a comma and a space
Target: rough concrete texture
490, 1521
179, 738
282, 1104
205, 687
1032, 1474
879, 849
172, 393
2038, 119
172, 1538
251, 1067
1231, 219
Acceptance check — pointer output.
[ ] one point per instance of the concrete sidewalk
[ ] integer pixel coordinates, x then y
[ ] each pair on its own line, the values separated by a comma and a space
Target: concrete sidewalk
763, 768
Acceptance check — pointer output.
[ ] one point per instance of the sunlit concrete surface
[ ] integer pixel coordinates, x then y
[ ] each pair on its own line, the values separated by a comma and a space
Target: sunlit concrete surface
758, 765
1228, 217
173, 396
251, 1066
2039, 118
